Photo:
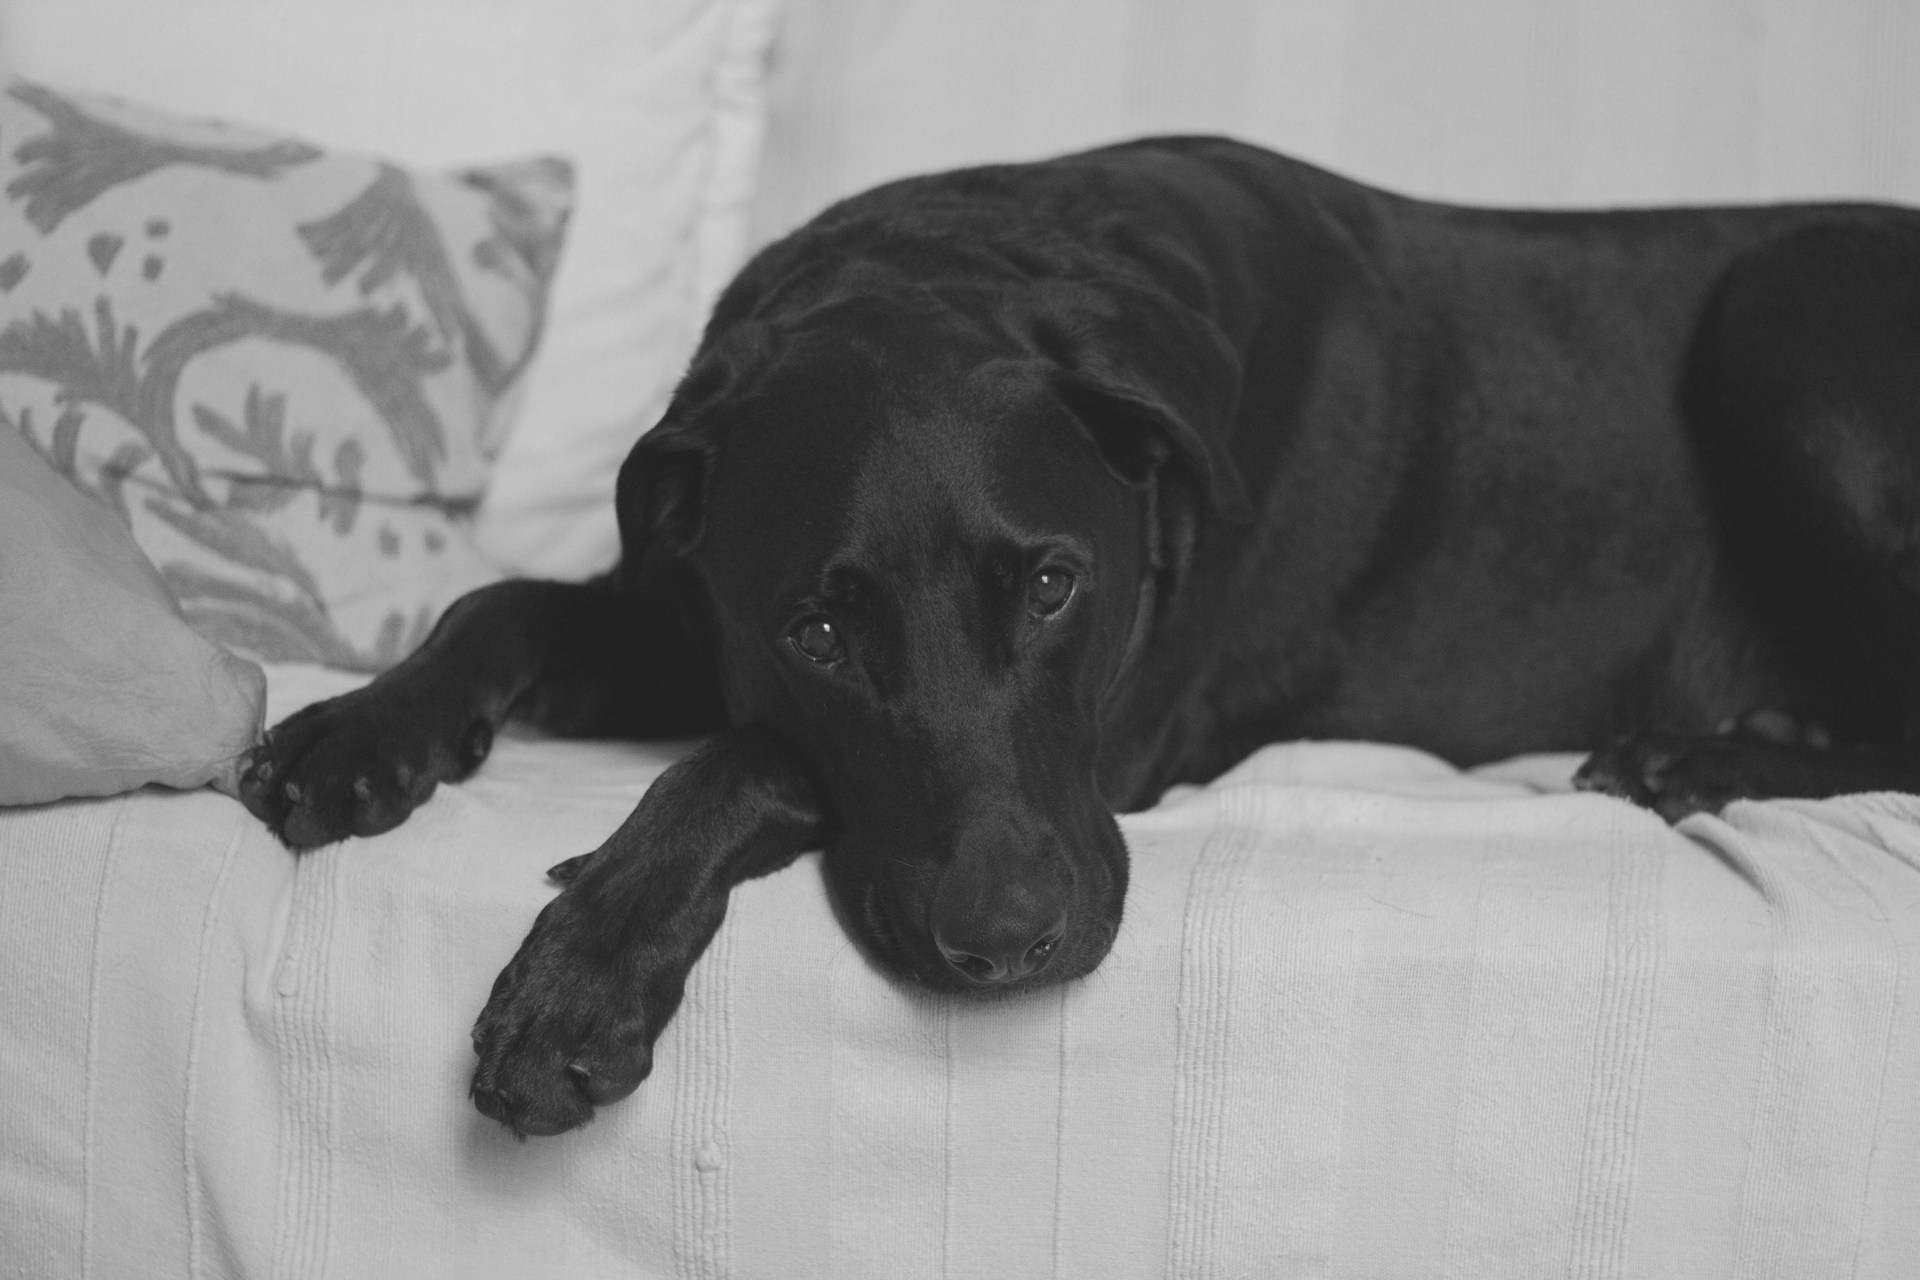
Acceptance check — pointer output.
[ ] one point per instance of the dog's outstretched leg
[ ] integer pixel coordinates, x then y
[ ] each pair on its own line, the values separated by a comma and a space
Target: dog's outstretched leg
574, 659
573, 1017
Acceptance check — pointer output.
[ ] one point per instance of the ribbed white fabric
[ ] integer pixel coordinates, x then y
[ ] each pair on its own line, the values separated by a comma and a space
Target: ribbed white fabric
1367, 1017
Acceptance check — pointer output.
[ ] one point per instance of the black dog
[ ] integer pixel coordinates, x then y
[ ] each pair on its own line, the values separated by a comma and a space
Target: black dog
999, 500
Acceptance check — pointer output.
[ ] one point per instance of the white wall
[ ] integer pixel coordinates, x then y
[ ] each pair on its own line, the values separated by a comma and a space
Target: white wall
1552, 102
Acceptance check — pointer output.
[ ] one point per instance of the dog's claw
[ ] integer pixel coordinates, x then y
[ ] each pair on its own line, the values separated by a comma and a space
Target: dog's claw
515, 1114
1761, 755
570, 1024
359, 764
477, 745
563, 872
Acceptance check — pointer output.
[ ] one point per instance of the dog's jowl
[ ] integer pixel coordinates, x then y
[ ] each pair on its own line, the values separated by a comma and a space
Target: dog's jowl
997, 501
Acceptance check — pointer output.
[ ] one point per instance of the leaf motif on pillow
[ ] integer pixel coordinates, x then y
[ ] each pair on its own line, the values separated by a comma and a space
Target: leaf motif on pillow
383, 232
529, 206
259, 495
114, 473
339, 505
291, 630
298, 626
65, 439
107, 485
386, 232
82, 157
289, 375
108, 374
286, 461
236, 538
387, 358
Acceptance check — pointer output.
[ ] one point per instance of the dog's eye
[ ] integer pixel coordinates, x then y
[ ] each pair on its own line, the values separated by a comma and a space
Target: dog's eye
818, 640
1048, 592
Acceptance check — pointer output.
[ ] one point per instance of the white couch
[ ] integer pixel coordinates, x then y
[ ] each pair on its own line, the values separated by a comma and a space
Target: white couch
1368, 1016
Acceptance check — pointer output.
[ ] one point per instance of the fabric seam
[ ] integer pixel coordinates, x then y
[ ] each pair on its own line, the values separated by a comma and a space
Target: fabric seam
188, 1151
93, 1037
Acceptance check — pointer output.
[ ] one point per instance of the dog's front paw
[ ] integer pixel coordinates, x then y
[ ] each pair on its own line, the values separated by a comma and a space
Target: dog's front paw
572, 1019
1762, 754
1672, 774
357, 765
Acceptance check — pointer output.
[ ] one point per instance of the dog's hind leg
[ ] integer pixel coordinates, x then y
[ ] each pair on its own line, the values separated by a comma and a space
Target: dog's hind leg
1803, 394
574, 659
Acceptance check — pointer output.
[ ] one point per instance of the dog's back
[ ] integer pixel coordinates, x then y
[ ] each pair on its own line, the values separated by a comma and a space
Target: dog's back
1483, 520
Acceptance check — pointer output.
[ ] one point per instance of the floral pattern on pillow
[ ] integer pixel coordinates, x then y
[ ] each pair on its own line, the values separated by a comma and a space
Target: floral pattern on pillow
288, 370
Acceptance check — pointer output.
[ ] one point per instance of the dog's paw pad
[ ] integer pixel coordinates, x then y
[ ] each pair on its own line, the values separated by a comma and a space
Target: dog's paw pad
565, 1030
612, 1070
531, 1115
357, 765
1616, 770
539, 1077
1676, 775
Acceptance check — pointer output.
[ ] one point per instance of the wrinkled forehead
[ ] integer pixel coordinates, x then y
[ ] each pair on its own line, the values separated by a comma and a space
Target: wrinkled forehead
929, 484
896, 475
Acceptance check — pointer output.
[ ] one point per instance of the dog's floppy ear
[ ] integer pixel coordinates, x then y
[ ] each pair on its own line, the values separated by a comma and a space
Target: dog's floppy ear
660, 498
1154, 382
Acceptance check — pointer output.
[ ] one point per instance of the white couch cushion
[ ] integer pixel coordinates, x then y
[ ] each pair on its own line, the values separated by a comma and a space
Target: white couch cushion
1367, 1016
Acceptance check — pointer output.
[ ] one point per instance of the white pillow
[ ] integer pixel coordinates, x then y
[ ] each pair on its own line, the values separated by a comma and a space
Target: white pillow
658, 102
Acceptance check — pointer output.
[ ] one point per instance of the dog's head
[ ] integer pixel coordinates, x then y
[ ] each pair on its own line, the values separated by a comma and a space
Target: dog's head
933, 529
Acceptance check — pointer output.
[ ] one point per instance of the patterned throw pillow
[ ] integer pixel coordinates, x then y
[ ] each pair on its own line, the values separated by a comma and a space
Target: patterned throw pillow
287, 370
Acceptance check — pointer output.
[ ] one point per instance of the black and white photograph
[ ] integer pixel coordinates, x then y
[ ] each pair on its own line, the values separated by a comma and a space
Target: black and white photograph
970, 639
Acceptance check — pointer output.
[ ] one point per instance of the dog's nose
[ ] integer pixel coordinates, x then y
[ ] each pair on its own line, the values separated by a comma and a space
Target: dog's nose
1000, 911
995, 948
